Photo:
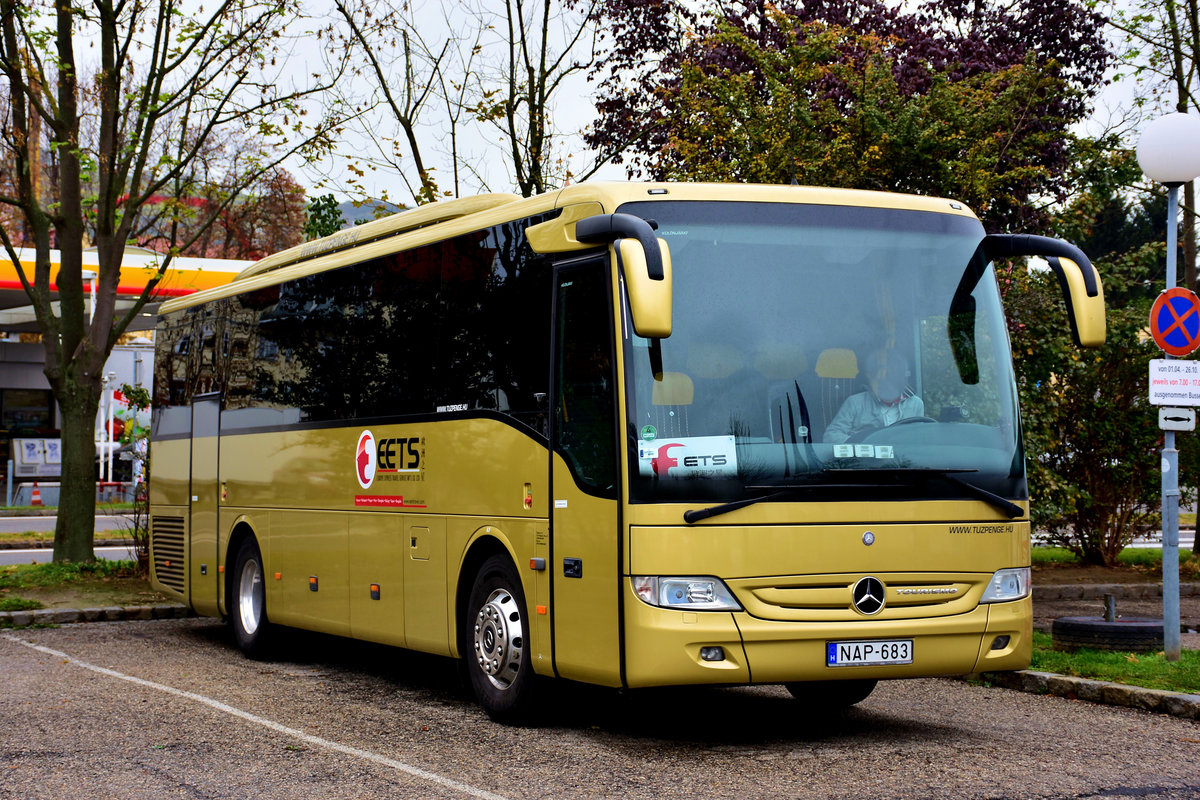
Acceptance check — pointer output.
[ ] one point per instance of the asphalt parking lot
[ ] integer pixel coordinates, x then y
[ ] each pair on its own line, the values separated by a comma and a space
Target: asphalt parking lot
169, 708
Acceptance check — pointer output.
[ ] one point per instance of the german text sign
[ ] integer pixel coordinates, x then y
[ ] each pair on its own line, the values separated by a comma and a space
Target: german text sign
1174, 383
1175, 321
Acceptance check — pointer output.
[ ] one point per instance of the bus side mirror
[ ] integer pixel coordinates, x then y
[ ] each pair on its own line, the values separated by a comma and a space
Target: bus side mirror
649, 298
646, 263
1077, 278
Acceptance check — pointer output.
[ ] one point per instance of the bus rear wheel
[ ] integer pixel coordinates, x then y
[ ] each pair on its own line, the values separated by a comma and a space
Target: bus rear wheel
824, 696
495, 643
248, 611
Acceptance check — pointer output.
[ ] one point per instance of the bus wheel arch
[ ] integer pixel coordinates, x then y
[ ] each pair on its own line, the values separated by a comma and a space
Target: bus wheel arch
493, 635
241, 530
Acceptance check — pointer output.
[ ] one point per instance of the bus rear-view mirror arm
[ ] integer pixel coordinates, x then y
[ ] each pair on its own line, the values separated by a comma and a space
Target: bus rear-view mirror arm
1078, 279
646, 262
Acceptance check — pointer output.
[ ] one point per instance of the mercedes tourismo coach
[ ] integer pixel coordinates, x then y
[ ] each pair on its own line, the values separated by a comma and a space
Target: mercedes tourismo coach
628, 434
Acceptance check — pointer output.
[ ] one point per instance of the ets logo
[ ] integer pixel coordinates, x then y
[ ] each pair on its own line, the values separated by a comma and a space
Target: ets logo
395, 455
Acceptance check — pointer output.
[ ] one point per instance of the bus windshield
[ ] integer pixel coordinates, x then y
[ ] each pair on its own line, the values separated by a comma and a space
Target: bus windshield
823, 352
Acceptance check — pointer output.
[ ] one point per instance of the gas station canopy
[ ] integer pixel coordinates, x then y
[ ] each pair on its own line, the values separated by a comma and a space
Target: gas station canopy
183, 276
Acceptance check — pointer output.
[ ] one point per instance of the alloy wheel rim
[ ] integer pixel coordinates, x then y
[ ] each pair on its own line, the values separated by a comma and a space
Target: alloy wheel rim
250, 596
500, 639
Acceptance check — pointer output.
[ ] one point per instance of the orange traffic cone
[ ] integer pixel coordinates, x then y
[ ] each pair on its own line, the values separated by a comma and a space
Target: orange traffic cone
37, 495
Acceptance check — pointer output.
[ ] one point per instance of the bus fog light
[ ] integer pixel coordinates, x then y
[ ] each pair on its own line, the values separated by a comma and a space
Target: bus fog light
685, 593
712, 653
1006, 585
1000, 642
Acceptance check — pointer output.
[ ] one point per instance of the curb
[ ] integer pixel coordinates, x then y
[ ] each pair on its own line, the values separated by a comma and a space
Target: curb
66, 616
1175, 704
1096, 591
46, 511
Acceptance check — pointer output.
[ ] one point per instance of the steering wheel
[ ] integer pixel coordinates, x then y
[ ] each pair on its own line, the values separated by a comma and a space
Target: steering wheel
858, 436
909, 420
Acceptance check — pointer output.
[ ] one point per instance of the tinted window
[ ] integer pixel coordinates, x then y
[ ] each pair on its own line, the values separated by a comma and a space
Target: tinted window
456, 326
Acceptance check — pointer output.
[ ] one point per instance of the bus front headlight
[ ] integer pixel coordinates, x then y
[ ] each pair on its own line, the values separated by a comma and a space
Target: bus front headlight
685, 593
1006, 585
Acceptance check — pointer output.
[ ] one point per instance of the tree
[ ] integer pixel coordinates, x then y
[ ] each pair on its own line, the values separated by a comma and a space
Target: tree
822, 105
492, 77
169, 79
1092, 437
1162, 48
266, 216
322, 218
939, 54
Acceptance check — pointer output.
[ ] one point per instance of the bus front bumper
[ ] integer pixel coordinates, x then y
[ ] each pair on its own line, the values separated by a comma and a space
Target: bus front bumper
669, 648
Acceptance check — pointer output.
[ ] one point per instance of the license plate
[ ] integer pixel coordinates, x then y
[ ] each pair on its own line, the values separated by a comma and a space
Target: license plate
868, 652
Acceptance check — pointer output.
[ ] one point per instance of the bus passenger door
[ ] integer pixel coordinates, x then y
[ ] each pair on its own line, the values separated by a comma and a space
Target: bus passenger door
584, 556
202, 522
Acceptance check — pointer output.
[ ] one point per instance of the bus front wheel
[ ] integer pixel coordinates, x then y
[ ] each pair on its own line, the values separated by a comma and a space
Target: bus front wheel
248, 613
495, 643
824, 696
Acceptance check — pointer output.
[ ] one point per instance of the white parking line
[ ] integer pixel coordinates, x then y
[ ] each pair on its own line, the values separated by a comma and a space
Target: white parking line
317, 741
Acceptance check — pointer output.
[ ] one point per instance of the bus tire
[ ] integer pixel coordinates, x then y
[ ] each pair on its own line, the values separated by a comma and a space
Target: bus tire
248, 614
495, 642
824, 696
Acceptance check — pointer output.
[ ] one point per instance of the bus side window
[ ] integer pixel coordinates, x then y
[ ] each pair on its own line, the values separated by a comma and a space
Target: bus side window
584, 405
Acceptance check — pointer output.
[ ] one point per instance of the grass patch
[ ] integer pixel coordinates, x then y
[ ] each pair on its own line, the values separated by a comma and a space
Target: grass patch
1148, 670
31, 576
1053, 555
46, 538
18, 603
88, 585
1137, 557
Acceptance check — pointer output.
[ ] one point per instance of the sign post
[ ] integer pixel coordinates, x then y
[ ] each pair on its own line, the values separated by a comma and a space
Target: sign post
1167, 154
1175, 326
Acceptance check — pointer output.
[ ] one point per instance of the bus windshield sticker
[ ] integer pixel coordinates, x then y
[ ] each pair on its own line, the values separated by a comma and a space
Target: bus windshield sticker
688, 457
863, 451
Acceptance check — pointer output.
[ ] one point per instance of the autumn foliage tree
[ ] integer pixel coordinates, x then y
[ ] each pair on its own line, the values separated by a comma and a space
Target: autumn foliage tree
972, 100
266, 216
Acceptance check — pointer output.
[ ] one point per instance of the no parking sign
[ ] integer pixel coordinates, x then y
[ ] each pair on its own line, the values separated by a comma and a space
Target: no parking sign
1175, 321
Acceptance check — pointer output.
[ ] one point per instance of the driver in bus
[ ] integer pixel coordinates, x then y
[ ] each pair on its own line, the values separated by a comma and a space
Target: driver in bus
886, 401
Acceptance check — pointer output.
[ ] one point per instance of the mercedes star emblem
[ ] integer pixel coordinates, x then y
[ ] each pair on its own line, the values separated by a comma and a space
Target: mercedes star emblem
868, 596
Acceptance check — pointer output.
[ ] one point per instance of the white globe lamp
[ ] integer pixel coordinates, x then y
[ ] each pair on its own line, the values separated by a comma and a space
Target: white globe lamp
1169, 149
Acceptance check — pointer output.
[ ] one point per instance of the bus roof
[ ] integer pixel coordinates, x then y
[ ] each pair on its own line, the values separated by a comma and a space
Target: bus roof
437, 221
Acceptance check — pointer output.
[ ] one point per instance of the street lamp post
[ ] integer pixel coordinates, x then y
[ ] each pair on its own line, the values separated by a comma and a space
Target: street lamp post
1169, 153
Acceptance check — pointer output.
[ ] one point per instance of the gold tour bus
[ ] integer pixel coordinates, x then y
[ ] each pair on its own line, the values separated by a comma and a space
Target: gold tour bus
626, 434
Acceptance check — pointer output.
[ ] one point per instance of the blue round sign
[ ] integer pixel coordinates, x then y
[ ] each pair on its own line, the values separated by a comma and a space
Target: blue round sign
1175, 321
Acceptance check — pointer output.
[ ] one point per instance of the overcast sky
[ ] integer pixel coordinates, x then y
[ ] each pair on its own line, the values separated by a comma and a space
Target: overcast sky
573, 112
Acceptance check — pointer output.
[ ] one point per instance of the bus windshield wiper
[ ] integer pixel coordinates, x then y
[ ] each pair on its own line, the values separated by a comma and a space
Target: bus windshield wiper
1012, 510
861, 479
695, 515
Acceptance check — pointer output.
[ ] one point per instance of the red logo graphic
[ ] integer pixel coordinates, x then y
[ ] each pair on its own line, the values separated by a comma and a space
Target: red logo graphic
364, 459
662, 465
